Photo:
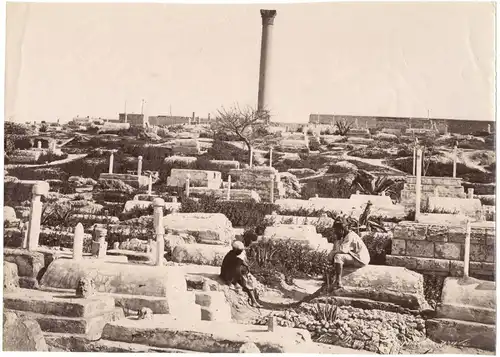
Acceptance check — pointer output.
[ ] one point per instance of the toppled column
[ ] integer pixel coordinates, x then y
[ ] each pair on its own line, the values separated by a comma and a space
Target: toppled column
39, 189
158, 205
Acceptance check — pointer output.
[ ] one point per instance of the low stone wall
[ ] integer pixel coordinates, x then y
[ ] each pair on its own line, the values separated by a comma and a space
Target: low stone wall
30, 265
305, 234
439, 249
469, 207
235, 195
443, 186
275, 219
132, 180
259, 179
207, 228
198, 178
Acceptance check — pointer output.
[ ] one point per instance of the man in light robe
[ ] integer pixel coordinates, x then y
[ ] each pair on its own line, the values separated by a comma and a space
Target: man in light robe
348, 250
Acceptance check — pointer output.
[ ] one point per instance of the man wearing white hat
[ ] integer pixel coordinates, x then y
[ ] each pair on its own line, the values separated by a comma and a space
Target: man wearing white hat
234, 270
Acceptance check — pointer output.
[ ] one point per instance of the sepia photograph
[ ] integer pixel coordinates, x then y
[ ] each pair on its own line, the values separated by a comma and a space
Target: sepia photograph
290, 177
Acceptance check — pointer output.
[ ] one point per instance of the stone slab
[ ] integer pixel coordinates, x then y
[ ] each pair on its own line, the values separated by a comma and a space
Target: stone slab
89, 326
203, 336
201, 254
393, 285
472, 333
63, 342
118, 278
29, 264
57, 304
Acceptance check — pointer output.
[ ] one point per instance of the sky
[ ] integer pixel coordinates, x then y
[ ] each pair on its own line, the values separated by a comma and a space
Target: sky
374, 59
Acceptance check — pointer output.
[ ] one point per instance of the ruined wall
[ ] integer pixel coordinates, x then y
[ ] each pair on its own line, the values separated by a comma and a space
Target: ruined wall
439, 249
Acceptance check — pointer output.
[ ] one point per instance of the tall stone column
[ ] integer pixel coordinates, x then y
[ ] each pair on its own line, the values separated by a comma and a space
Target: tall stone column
265, 57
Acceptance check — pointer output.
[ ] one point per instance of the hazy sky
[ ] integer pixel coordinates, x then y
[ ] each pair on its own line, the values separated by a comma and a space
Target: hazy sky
388, 59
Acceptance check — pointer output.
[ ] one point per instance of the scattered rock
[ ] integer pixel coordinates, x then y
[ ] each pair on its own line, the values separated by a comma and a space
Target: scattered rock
249, 347
10, 276
23, 335
145, 314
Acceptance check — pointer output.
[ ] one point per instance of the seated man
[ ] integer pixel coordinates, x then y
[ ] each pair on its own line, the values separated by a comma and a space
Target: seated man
348, 249
234, 270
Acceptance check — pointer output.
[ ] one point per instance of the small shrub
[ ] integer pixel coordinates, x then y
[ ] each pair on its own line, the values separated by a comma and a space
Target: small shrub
379, 245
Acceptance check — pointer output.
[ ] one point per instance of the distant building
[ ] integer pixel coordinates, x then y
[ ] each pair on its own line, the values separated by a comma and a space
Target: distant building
458, 126
132, 119
168, 120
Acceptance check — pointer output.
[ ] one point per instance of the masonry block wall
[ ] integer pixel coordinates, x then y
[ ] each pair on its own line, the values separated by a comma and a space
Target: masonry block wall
446, 187
439, 249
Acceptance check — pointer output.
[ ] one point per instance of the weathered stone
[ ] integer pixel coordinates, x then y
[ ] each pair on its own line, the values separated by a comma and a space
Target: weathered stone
411, 231
208, 228
29, 264
398, 247
116, 278
429, 264
249, 348
23, 335
10, 277
387, 284
201, 254
456, 234
476, 334
420, 249
448, 251
85, 288
145, 314
9, 214
198, 178
437, 233
482, 253
405, 262
299, 233
203, 336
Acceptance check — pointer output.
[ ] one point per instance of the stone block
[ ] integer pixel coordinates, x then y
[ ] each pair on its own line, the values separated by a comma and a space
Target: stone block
88, 326
466, 313
457, 268
23, 335
404, 262
456, 234
29, 264
420, 249
482, 269
437, 233
221, 314
201, 254
198, 178
453, 251
469, 292
10, 277
184, 305
207, 228
57, 304
410, 230
162, 281
482, 253
399, 246
395, 285
203, 336
433, 265
210, 298
476, 334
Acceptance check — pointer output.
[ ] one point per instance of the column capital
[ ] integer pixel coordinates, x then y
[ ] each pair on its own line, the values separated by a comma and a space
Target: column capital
268, 16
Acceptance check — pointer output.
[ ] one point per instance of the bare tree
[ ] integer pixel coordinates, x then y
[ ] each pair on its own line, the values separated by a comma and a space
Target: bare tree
248, 124
343, 126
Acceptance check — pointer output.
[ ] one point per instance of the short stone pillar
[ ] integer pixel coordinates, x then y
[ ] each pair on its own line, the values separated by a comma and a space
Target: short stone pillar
39, 144
174, 199
139, 166
467, 249
99, 244
188, 179
271, 195
418, 184
40, 189
111, 159
150, 185
271, 323
158, 205
489, 128
116, 245
251, 157
271, 157
470, 193
455, 158
52, 146
228, 193
436, 192
24, 231
78, 242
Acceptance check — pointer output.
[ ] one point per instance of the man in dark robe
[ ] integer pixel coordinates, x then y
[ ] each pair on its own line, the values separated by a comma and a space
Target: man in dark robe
235, 270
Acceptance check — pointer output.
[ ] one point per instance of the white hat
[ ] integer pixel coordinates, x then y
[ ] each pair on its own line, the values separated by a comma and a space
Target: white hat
238, 245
